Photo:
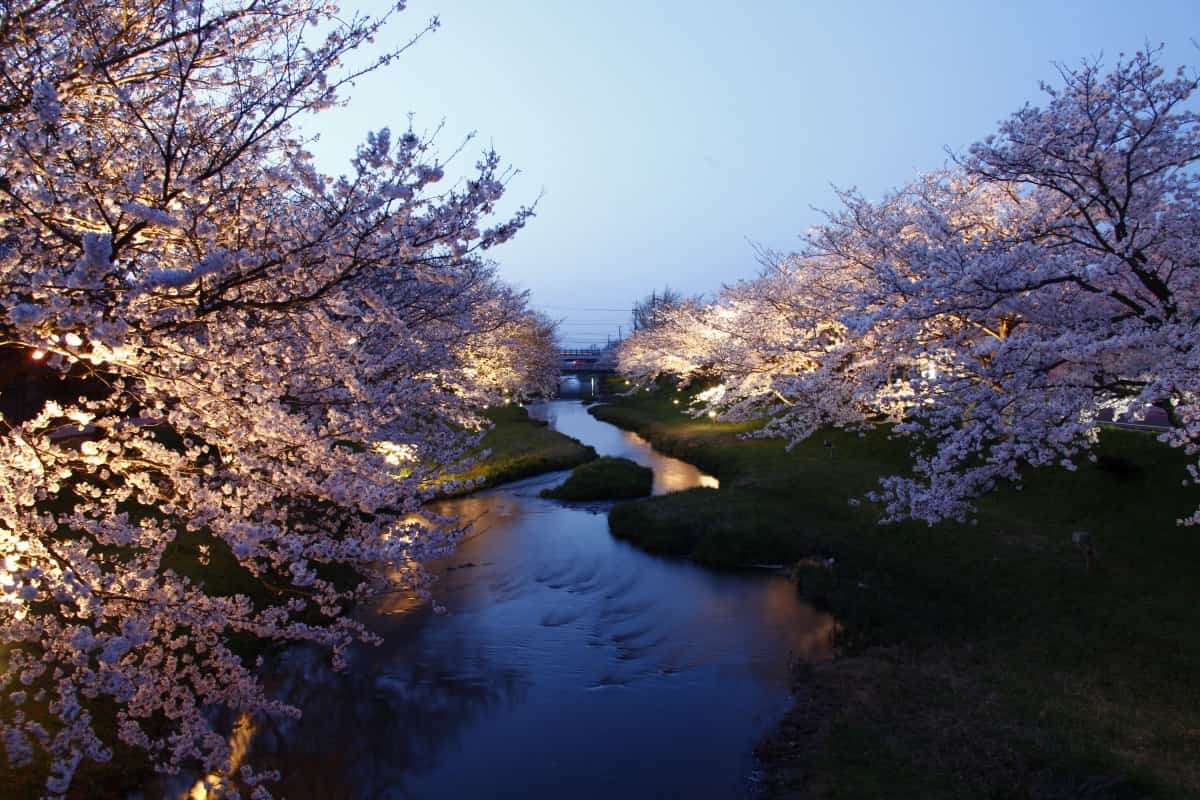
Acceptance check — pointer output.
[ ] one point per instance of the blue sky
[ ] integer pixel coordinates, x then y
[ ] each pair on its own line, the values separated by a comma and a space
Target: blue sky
665, 137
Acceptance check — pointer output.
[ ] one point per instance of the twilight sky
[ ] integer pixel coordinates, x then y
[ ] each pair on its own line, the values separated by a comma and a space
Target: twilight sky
665, 136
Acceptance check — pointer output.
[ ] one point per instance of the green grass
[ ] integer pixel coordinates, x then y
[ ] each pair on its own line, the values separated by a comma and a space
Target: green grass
604, 479
991, 662
521, 447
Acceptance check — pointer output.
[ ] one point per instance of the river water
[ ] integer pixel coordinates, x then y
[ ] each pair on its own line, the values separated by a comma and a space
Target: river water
569, 664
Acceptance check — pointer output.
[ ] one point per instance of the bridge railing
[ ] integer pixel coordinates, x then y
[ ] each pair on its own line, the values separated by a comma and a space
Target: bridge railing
601, 359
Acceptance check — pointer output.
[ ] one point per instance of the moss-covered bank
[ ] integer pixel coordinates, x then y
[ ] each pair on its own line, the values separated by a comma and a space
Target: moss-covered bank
605, 478
977, 660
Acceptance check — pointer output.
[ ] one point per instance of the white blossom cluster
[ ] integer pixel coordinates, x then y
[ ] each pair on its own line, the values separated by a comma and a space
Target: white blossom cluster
213, 359
995, 311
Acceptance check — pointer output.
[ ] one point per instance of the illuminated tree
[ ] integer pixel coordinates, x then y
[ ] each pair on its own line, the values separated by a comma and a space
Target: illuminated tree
213, 358
996, 311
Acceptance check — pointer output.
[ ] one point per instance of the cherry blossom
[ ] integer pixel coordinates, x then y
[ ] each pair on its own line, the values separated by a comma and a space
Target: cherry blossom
212, 356
996, 311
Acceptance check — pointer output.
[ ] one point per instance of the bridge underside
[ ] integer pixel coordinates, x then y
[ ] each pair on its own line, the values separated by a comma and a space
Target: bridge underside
578, 383
587, 371
582, 372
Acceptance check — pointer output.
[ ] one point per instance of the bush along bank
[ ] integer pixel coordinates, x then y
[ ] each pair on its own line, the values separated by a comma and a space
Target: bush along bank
1003, 658
605, 478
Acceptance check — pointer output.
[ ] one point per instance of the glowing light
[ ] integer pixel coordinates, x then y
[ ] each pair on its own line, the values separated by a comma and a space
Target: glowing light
8, 567
214, 784
38, 355
73, 339
6, 572
396, 453
712, 415
676, 401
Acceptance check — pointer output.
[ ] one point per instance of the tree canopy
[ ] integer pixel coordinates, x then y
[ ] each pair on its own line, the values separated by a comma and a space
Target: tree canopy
997, 311
227, 379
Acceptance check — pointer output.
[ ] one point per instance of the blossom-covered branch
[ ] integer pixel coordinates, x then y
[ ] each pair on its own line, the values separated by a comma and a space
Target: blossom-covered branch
213, 357
997, 311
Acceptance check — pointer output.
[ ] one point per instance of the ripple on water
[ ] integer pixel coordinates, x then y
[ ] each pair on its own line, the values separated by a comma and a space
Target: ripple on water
623, 586
558, 617
630, 634
553, 573
508, 588
625, 610
634, 651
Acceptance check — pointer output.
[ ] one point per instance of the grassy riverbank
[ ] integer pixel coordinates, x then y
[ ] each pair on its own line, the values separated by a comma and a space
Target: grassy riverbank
521, 447
977, 660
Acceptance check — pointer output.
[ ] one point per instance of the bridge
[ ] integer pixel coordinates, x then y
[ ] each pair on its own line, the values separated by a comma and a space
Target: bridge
582, 371
591, 360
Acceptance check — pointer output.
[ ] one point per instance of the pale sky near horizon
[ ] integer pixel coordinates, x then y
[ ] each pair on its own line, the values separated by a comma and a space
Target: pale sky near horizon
663, 138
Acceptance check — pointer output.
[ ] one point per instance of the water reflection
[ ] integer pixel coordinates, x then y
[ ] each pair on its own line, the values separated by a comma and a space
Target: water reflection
569, 664
213, 785
670, 474
365, 731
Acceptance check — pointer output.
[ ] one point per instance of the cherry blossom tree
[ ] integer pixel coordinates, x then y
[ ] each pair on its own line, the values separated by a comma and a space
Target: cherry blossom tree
770, 346
213, 358
1074, 286
996, 311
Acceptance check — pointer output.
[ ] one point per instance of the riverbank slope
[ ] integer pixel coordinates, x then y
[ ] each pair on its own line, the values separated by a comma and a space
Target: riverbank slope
980, 660
518, 447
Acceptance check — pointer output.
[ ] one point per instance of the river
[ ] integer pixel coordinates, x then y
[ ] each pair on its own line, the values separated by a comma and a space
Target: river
569, 664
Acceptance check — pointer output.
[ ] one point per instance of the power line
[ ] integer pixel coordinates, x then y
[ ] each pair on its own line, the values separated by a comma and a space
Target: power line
584, 308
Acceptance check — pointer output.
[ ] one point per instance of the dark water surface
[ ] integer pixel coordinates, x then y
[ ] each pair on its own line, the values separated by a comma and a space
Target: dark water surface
570, 665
